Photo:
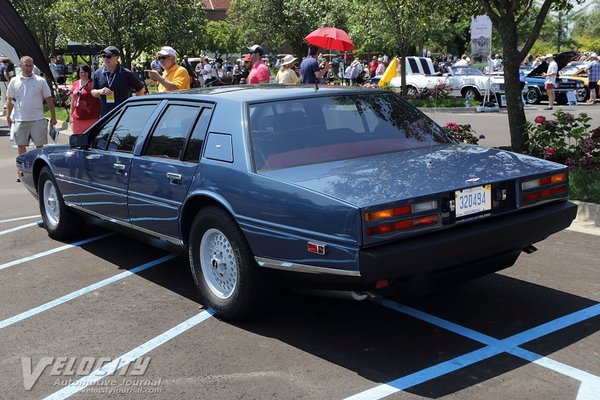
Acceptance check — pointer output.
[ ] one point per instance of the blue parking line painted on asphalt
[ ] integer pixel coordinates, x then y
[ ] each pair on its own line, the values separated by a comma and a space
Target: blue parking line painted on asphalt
52, 251
19, 218
83, 291
129, 357
20, 227
590, 382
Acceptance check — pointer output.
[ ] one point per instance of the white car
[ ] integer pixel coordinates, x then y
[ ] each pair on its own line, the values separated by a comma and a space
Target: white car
463, 81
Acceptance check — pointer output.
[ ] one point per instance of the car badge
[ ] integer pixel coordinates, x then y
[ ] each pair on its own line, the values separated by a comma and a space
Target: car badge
316, 248
472, 180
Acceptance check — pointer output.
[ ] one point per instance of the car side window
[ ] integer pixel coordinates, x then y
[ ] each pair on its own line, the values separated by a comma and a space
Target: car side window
101, 138
194, 146
171, 132
129, 127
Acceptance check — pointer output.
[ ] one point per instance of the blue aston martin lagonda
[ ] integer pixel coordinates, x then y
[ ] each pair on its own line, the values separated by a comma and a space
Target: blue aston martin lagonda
351, 189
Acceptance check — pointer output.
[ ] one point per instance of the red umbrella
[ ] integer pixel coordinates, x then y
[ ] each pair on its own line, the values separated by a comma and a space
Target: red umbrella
330, 38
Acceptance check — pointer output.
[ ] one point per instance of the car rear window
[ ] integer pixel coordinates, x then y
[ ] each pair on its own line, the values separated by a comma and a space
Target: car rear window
319, 129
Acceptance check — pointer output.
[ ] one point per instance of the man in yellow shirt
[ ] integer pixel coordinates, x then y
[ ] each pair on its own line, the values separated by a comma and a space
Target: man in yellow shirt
174, 76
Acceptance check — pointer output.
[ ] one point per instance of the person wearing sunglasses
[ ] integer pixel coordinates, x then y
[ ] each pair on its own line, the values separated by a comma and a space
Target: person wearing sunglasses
85, 108
260, 72
113, 83
174, 76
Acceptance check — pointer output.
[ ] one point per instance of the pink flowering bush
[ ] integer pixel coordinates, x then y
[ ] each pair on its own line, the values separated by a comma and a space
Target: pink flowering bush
462, 133
566, 139
441, 91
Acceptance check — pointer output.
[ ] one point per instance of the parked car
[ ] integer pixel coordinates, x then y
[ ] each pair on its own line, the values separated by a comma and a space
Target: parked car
462, 81
579, 72
344, 188
535, 82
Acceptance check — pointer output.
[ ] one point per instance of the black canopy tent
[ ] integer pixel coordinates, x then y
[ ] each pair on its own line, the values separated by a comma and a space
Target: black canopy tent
14, 31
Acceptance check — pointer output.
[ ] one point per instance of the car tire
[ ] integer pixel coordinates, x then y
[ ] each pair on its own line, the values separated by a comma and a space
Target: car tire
582, 94
228, 279
412, 92
470, 94
533, 96
59, 220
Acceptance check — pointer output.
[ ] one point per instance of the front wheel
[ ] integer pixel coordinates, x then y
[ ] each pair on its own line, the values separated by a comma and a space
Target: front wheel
60, 221
582, 94
225, 273
471, 94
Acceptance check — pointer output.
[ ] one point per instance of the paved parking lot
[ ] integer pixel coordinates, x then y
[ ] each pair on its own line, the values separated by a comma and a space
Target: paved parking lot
106, 316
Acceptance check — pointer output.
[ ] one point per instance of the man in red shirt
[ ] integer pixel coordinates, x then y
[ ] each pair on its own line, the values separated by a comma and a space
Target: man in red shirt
260, 72
373, 66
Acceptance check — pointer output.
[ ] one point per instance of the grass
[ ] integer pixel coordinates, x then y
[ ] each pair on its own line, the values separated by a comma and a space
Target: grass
450, 102
61, 113
584, 185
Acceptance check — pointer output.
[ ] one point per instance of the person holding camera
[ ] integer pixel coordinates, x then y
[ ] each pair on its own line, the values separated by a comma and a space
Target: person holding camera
174, 76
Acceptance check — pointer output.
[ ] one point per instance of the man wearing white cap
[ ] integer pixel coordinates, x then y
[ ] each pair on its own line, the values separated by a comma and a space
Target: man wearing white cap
550, 81
174, 76
260, 72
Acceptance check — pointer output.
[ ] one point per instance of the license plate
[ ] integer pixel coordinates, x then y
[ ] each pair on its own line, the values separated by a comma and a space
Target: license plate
473, 200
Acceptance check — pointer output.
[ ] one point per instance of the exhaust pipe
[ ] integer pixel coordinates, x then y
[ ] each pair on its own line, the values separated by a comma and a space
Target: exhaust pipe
530, 249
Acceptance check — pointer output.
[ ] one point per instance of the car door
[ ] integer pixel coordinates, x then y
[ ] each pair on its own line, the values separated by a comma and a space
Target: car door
103, 170
162, 174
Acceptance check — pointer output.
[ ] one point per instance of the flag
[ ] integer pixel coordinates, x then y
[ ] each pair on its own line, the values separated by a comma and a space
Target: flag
390, 72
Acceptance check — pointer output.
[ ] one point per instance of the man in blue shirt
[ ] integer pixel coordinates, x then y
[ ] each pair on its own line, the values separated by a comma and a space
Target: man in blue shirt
113, 84
593, 77
309, 68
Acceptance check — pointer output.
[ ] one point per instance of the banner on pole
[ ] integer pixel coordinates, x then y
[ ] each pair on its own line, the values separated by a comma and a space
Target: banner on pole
481, 37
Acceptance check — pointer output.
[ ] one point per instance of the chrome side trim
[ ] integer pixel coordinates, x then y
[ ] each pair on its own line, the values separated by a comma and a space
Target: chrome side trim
103, 217
309, 269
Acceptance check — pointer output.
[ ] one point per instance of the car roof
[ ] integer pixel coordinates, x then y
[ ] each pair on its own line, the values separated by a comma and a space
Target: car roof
255, 93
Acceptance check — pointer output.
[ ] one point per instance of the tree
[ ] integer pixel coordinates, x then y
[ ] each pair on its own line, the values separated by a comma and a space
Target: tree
223, 38
41, 18
274, 23
506, 16
400, 24
133, 26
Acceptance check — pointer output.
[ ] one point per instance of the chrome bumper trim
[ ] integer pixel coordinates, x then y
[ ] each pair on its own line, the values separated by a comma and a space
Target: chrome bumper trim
309, 269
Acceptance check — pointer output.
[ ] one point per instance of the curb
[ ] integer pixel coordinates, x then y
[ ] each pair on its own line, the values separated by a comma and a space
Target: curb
588, 213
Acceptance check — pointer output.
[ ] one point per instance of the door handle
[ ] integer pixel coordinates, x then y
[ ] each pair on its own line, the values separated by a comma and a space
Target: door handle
119, 167
174, 177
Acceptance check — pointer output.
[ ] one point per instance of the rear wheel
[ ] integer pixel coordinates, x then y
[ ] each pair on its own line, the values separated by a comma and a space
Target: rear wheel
225, 273
412, 91
60, 221
533, 96
582, 94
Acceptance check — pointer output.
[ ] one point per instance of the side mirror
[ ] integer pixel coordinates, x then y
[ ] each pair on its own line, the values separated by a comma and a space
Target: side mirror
79, 141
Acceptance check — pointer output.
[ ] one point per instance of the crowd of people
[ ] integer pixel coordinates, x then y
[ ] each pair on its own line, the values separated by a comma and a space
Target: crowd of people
96, 92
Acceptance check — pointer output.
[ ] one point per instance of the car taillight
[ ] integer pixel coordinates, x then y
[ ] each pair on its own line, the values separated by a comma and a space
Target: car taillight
406, 212
397, 211
546, 186
400, 225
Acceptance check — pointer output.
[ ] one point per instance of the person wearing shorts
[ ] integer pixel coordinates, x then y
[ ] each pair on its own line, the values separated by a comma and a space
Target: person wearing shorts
26, 94
593, 75
550, 80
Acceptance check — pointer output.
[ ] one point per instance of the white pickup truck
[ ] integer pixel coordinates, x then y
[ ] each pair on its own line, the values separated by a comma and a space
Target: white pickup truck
463, 81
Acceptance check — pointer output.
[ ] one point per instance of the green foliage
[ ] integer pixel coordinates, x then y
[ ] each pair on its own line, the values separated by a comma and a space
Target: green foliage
584, 185
41, 17
134, 26
274, 23
223, 38
566, 139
